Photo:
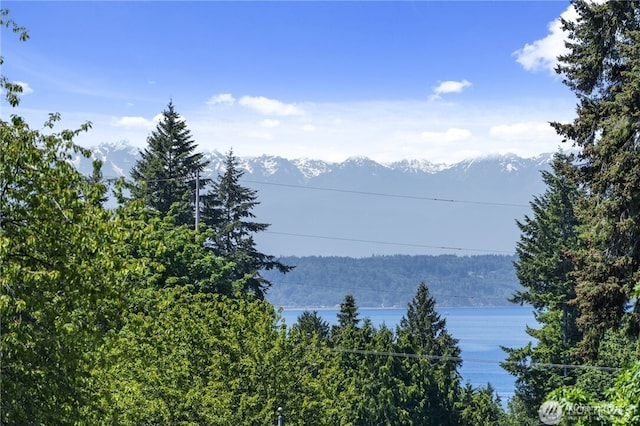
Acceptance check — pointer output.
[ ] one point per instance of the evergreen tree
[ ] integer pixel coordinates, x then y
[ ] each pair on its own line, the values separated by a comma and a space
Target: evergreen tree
479, 406
164, 175
544, 269
431, 380
348, 314
311, 324
228, 210
602, 67
424, 331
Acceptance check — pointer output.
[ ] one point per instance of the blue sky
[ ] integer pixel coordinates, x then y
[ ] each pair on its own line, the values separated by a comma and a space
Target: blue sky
441, 81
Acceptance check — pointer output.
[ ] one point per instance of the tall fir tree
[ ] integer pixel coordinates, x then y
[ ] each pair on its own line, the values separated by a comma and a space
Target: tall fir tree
602, 67
348, 314
432, 381
311, 324
228, 210
164, 176
545, 270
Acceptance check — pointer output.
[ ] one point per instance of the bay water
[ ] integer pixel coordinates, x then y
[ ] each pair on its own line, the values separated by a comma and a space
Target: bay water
481, 332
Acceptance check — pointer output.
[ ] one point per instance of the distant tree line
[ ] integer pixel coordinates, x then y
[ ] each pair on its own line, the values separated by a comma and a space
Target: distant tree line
388, 281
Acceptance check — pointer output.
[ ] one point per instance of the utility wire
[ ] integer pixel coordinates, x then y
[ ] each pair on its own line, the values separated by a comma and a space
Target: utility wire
290, 234
449, 248
348, 191
460, 359
381, 194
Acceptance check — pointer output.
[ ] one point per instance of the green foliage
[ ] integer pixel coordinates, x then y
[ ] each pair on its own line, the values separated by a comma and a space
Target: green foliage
228, 211
423, 330
164, 175
544, 266
614, 351
348, 314
11, 90
518, 414
177, 256
406, 377
479, 407
310, 324
61, 275
620, 405
595, 266
432, 378
207, 359
625, 395
545, 270
602, 67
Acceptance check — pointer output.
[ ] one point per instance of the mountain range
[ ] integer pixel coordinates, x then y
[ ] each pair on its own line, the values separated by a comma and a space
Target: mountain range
360, 208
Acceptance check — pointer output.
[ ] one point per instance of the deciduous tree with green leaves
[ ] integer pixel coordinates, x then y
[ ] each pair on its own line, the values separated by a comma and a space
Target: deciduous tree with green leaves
208, 359
62, 274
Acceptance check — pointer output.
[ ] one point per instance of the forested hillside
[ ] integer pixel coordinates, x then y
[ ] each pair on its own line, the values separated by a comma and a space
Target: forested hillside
388, 281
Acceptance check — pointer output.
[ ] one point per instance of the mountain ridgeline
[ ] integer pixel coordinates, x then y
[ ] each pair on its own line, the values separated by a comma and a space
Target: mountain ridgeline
360, 208
391, 281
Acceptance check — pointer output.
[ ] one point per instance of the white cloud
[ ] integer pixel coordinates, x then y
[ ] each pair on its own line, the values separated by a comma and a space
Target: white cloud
135, 122
269, 106
382, 130
451, 86
543, 54
221, 99
269, 123
26, 89
448, 136
522, 131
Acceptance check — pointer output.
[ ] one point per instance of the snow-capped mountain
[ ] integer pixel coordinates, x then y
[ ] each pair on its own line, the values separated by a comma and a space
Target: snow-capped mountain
360, 207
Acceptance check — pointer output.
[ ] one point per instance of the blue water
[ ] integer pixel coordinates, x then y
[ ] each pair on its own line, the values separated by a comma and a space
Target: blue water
480, 331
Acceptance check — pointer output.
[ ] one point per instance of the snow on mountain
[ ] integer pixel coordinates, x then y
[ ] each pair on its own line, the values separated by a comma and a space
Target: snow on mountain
120, 157
418, 166
312, 168
411, 206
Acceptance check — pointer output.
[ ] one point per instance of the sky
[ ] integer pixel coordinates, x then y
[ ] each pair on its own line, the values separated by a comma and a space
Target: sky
442, 81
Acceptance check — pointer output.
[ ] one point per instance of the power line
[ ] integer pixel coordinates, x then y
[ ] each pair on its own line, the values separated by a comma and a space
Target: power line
290, 234
170, 179
381, 194
349, 191
427, 246
462, 360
